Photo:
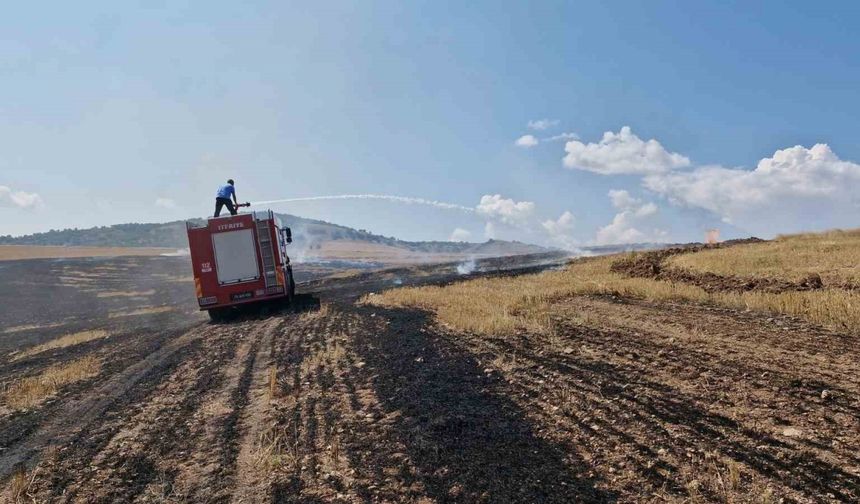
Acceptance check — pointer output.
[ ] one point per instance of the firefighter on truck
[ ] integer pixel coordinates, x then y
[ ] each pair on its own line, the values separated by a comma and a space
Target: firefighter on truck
222, 199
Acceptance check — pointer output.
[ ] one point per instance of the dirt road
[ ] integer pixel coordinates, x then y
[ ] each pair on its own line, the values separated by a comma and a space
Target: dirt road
337, 401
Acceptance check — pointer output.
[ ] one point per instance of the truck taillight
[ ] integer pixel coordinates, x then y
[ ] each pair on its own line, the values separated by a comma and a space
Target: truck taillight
198, 287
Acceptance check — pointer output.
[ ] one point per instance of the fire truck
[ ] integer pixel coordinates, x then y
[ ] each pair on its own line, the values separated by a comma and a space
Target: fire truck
240, 259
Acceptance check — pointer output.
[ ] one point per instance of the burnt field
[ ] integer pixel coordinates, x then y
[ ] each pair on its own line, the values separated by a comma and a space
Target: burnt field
350, 396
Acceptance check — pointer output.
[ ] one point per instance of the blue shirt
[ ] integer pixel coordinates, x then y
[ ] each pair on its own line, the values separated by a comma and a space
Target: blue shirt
225, 191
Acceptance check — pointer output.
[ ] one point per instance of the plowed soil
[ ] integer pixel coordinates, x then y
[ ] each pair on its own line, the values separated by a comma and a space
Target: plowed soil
652, 265
330, 400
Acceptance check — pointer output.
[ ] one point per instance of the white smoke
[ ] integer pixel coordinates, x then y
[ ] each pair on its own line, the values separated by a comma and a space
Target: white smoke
490, 230
460, 235
179, 253
300, 250
466, 267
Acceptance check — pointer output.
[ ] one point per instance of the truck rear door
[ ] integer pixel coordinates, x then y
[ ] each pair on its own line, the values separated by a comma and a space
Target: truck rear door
235, 256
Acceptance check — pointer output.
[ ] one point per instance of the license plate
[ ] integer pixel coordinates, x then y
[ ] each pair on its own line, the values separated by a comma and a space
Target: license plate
241, 295
207, 300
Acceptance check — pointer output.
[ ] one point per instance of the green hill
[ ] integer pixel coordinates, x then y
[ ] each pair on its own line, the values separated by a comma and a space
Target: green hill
306, 233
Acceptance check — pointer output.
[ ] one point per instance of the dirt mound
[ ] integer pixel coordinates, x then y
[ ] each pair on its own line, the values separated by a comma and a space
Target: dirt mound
648, 264
651, 265
740, 241
712, 282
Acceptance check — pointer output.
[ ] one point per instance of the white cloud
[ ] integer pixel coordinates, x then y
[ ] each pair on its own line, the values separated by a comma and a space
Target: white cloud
529, 141
460, 235
542, 124
621, 199
562, 225
624, 227
797, 188
646, 210
621, 230
562, 136
490, 231
19, 199
560, 230
622, 153
511, 212
165, 203
526, 141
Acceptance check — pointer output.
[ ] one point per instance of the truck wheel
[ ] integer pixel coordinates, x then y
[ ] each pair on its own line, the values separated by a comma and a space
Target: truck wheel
291, 293
216, 314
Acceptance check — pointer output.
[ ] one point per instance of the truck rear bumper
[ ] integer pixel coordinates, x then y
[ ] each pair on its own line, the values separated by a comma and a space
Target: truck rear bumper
255, 299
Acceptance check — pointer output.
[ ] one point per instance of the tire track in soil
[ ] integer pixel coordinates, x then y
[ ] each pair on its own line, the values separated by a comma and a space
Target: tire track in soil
184, 448
116, 353
247, 482
139, 408
74, 420
204, 465
134, 443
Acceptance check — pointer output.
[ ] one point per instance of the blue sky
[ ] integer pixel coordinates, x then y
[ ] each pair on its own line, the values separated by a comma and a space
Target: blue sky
109, 108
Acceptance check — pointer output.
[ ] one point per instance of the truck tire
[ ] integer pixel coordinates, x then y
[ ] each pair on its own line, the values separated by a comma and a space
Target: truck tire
216, 314
291, 293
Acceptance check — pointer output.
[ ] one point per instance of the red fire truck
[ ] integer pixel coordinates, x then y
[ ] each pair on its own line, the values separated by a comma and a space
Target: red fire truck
240, 259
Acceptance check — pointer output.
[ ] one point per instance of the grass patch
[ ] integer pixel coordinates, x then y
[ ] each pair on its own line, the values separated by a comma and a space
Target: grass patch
113, 294
30, 327
834, 255
63, 342
19, 484
274, 389
508, 305
143, 311
180, 279
278, 448
834, 308
33, 390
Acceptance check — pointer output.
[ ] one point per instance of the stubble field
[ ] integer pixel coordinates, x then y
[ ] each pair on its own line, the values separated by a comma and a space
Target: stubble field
526, 381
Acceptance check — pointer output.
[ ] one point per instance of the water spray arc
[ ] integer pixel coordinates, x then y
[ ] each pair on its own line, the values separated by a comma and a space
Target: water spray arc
384, 197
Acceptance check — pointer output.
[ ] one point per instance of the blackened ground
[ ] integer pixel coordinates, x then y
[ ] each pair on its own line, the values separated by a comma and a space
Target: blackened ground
333, 401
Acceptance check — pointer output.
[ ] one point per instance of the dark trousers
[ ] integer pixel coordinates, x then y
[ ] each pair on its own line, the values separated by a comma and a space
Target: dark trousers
224, 202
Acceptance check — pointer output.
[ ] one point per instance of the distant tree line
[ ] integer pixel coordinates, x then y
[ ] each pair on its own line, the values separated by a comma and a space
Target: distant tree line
173, 235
